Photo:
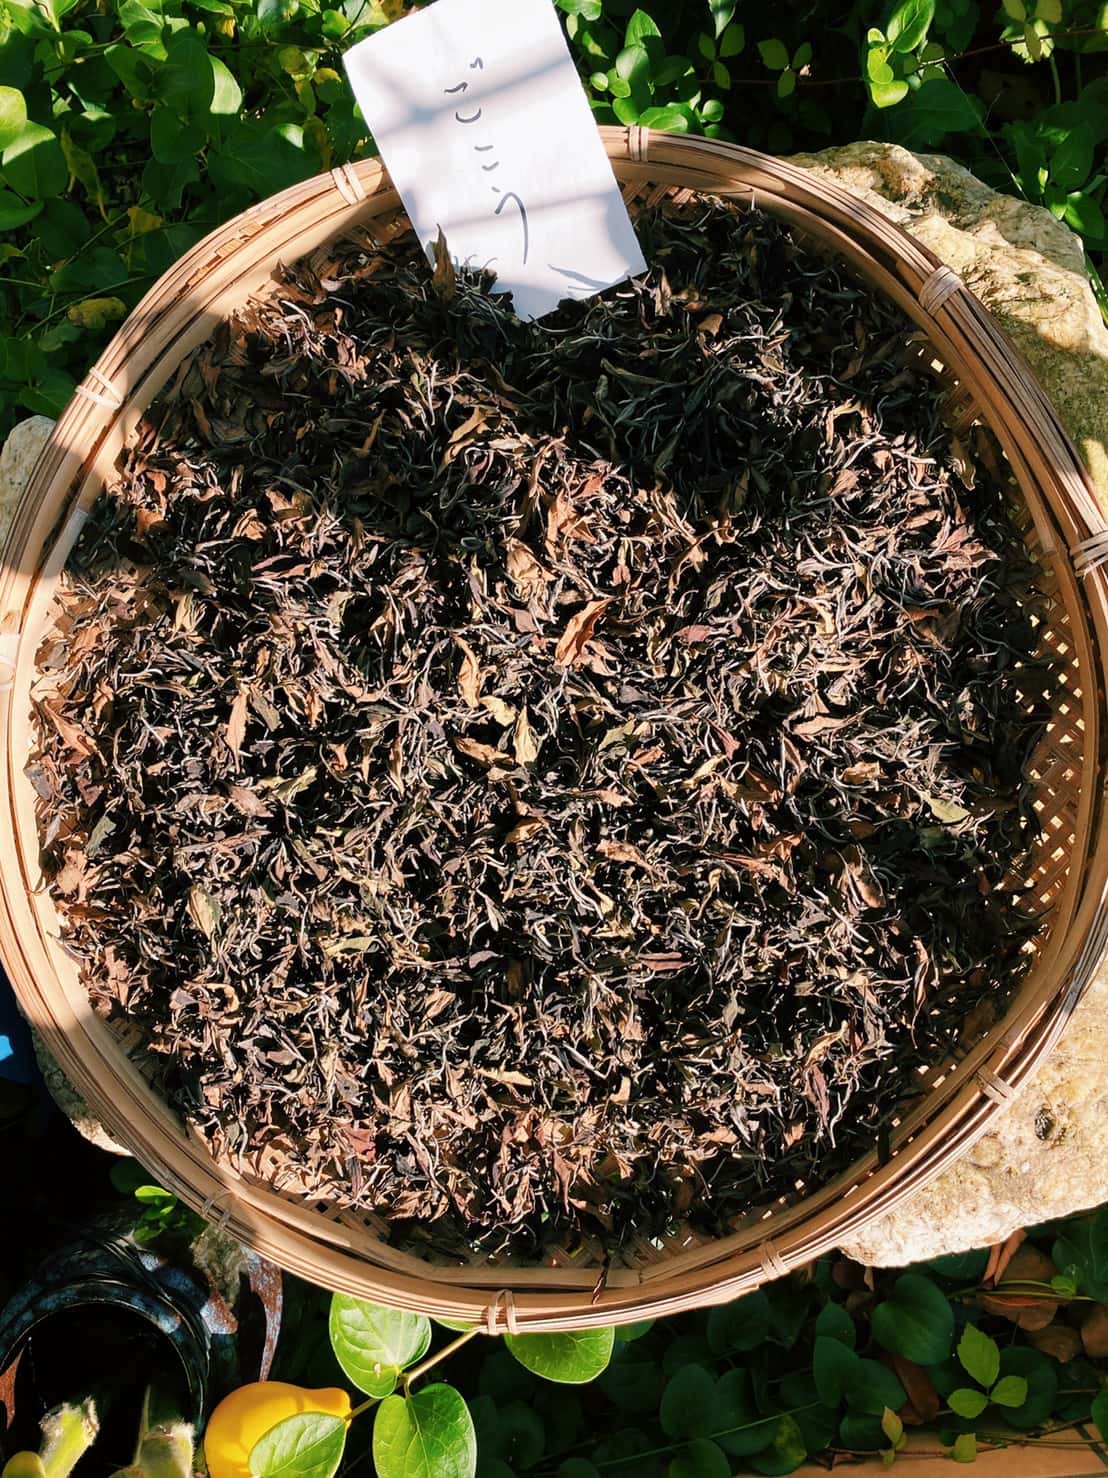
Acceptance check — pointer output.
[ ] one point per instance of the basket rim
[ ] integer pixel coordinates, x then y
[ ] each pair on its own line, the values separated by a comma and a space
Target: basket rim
1067, 519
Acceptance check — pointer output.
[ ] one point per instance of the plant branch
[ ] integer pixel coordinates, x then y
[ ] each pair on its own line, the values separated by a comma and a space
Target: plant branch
455, 1344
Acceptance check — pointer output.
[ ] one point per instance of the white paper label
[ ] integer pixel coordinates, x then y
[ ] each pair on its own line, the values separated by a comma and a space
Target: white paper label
483, 124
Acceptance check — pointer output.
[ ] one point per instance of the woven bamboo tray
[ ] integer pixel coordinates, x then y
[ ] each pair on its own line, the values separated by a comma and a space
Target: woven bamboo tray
948, 1108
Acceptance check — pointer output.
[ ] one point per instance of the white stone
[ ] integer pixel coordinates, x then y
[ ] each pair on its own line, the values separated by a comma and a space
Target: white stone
17, 460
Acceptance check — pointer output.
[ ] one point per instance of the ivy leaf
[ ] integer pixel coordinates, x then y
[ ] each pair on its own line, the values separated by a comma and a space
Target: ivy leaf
979, 1355
917, 1321
688, 1406
428, 1435
784, 1454
13, 115
1011, 1391
740, 1325
700, 1459
965, 1448
571, 1359
909, 23
773, 54
309, 1445
967, 1402
374, 1344
833, 1322
34, 164
835, 1369
736, 1423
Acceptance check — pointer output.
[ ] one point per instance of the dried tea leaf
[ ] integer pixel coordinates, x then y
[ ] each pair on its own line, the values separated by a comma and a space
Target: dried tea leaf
524, 744
235, 731
204, 910
578, 630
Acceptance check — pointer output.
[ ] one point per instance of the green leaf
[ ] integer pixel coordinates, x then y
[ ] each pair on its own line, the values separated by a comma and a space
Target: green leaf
892, 1426
373, 1344
688, 1406
785, 1453
874, 1387
627, 1333
802, 56
1011, 1391
833, 1322
1100, 1413
722, 11
862, 1432
835, 1368
741, 1325
877, 67
13, 115
736, 1423
732, 41
33, 163
1015, 10
700, 1459
671, 118
226, 93
571, 1359
670, 69
309, 1445
1041, 1375
774, 54
428, 1435
909, 23
15, 212
965, 1448
640, 25
917, 1321
979, 1355
786, 83
968, 1402
590, 10
706, 46
932, 111
522, 1436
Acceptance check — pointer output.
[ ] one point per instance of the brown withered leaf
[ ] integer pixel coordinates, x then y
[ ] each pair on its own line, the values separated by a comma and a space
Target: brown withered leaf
235, 731
578, 630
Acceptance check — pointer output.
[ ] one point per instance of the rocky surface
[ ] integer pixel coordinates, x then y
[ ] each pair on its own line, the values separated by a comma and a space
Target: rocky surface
17, 459
1045, 1157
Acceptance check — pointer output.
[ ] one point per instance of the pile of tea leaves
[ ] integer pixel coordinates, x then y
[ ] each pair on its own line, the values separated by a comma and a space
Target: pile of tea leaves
538, 780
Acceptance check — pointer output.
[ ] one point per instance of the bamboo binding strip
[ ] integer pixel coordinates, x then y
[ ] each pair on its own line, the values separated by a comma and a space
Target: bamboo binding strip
954, 1104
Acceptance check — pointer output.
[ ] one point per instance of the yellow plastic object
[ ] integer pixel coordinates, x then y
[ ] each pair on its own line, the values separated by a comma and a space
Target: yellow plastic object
247, 1414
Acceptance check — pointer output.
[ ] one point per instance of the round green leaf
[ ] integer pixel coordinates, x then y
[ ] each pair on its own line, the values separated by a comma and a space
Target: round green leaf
784, 1454
1041, 1376
741, 1325
834, 1322
572, 1358
633, 1382
736, 1423
916, 1322
670, 119
968, 1402
522, 1435
862, 1432
701, 1459
688, 1407
13, 115
732, 41
428, 1435
309, 1445
874, 1387
908, 24
835, 1368
34, 164
373, 1344
625, 1333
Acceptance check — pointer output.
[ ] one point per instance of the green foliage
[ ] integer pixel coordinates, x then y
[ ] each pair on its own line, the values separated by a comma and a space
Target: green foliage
160, 1216
374, 1344
428, 1435
130, 128
570, 1358
309, 1445
916, 1322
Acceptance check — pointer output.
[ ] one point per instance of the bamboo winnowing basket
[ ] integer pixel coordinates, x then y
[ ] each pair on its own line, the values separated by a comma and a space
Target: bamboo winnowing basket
948, 1109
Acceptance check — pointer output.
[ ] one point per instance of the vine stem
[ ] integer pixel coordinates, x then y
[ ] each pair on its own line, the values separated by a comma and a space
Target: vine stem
455, 1344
